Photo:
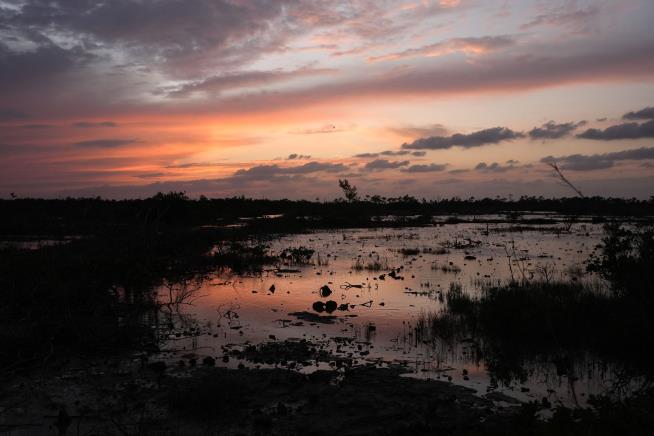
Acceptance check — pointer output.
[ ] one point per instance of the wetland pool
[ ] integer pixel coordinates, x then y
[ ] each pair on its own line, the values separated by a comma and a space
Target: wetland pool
358, 294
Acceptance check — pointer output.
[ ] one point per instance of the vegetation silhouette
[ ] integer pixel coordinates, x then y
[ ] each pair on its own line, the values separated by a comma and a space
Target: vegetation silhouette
349, 191
83, 216
528, 322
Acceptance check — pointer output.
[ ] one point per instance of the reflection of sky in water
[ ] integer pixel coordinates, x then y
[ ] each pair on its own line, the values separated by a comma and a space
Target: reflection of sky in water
382, 329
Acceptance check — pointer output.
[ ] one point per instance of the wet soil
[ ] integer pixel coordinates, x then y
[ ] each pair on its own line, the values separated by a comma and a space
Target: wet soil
138, 396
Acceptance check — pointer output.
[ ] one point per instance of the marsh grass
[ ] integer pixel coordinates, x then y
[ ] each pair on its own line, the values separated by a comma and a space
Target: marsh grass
98, 293
295, 256
515, 324
449, 267
374, 264
567, 320
409, 251
243, 255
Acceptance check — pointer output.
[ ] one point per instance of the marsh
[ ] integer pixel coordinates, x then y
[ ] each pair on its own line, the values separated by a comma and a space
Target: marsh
517, 316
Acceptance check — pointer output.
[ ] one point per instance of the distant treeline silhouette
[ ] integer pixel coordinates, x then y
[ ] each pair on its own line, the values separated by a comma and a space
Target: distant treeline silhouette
80, 215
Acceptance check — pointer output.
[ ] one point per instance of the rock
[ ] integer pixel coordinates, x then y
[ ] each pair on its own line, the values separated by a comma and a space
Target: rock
331, 306
325, 291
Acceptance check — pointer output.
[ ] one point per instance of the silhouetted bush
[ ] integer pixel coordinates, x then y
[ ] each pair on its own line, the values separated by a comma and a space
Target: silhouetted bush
626, 260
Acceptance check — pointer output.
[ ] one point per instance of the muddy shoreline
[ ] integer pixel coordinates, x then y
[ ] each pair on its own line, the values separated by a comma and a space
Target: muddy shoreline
138, 397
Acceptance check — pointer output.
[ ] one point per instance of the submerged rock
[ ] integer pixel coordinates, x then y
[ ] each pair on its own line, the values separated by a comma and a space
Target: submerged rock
330, 306
325, 291
312, 317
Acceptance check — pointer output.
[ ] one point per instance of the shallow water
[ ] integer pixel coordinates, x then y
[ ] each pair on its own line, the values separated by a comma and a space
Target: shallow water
32, 243
375, 319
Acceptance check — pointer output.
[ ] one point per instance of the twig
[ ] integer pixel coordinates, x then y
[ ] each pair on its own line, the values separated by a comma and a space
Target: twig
564, 179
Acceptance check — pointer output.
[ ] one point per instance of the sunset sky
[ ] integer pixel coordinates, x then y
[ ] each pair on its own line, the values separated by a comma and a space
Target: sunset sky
281, 98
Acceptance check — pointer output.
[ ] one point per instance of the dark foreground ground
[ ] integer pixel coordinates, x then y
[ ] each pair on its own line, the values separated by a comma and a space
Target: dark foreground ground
110, 400
117, 397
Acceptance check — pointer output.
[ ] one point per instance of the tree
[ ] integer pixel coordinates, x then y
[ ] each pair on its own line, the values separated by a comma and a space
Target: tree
349, 191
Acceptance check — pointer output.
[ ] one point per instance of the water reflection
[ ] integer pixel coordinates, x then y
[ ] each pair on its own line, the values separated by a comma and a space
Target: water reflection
361, 295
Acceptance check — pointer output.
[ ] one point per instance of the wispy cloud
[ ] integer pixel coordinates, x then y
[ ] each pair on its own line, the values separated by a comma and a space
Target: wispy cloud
295, 156
621, 131
384, 164
106, 143
197, 165
94, 124
581, 162
468, 46
425, 168
643, 114
476, 139
390, 153
567, 16
325, 128
552, 130
419, 131
37, 126
493, 167
267, 171
12, 114
243, 79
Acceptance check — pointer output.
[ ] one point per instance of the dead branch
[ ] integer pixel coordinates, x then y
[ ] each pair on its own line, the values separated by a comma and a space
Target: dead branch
564, 179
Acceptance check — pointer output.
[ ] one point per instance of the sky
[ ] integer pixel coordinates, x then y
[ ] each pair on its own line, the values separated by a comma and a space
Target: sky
281, 98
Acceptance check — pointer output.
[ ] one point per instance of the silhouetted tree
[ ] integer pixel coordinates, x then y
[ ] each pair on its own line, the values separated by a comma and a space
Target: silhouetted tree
349, 191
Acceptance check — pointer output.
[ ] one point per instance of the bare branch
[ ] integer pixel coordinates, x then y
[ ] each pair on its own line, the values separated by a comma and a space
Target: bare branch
564, 179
